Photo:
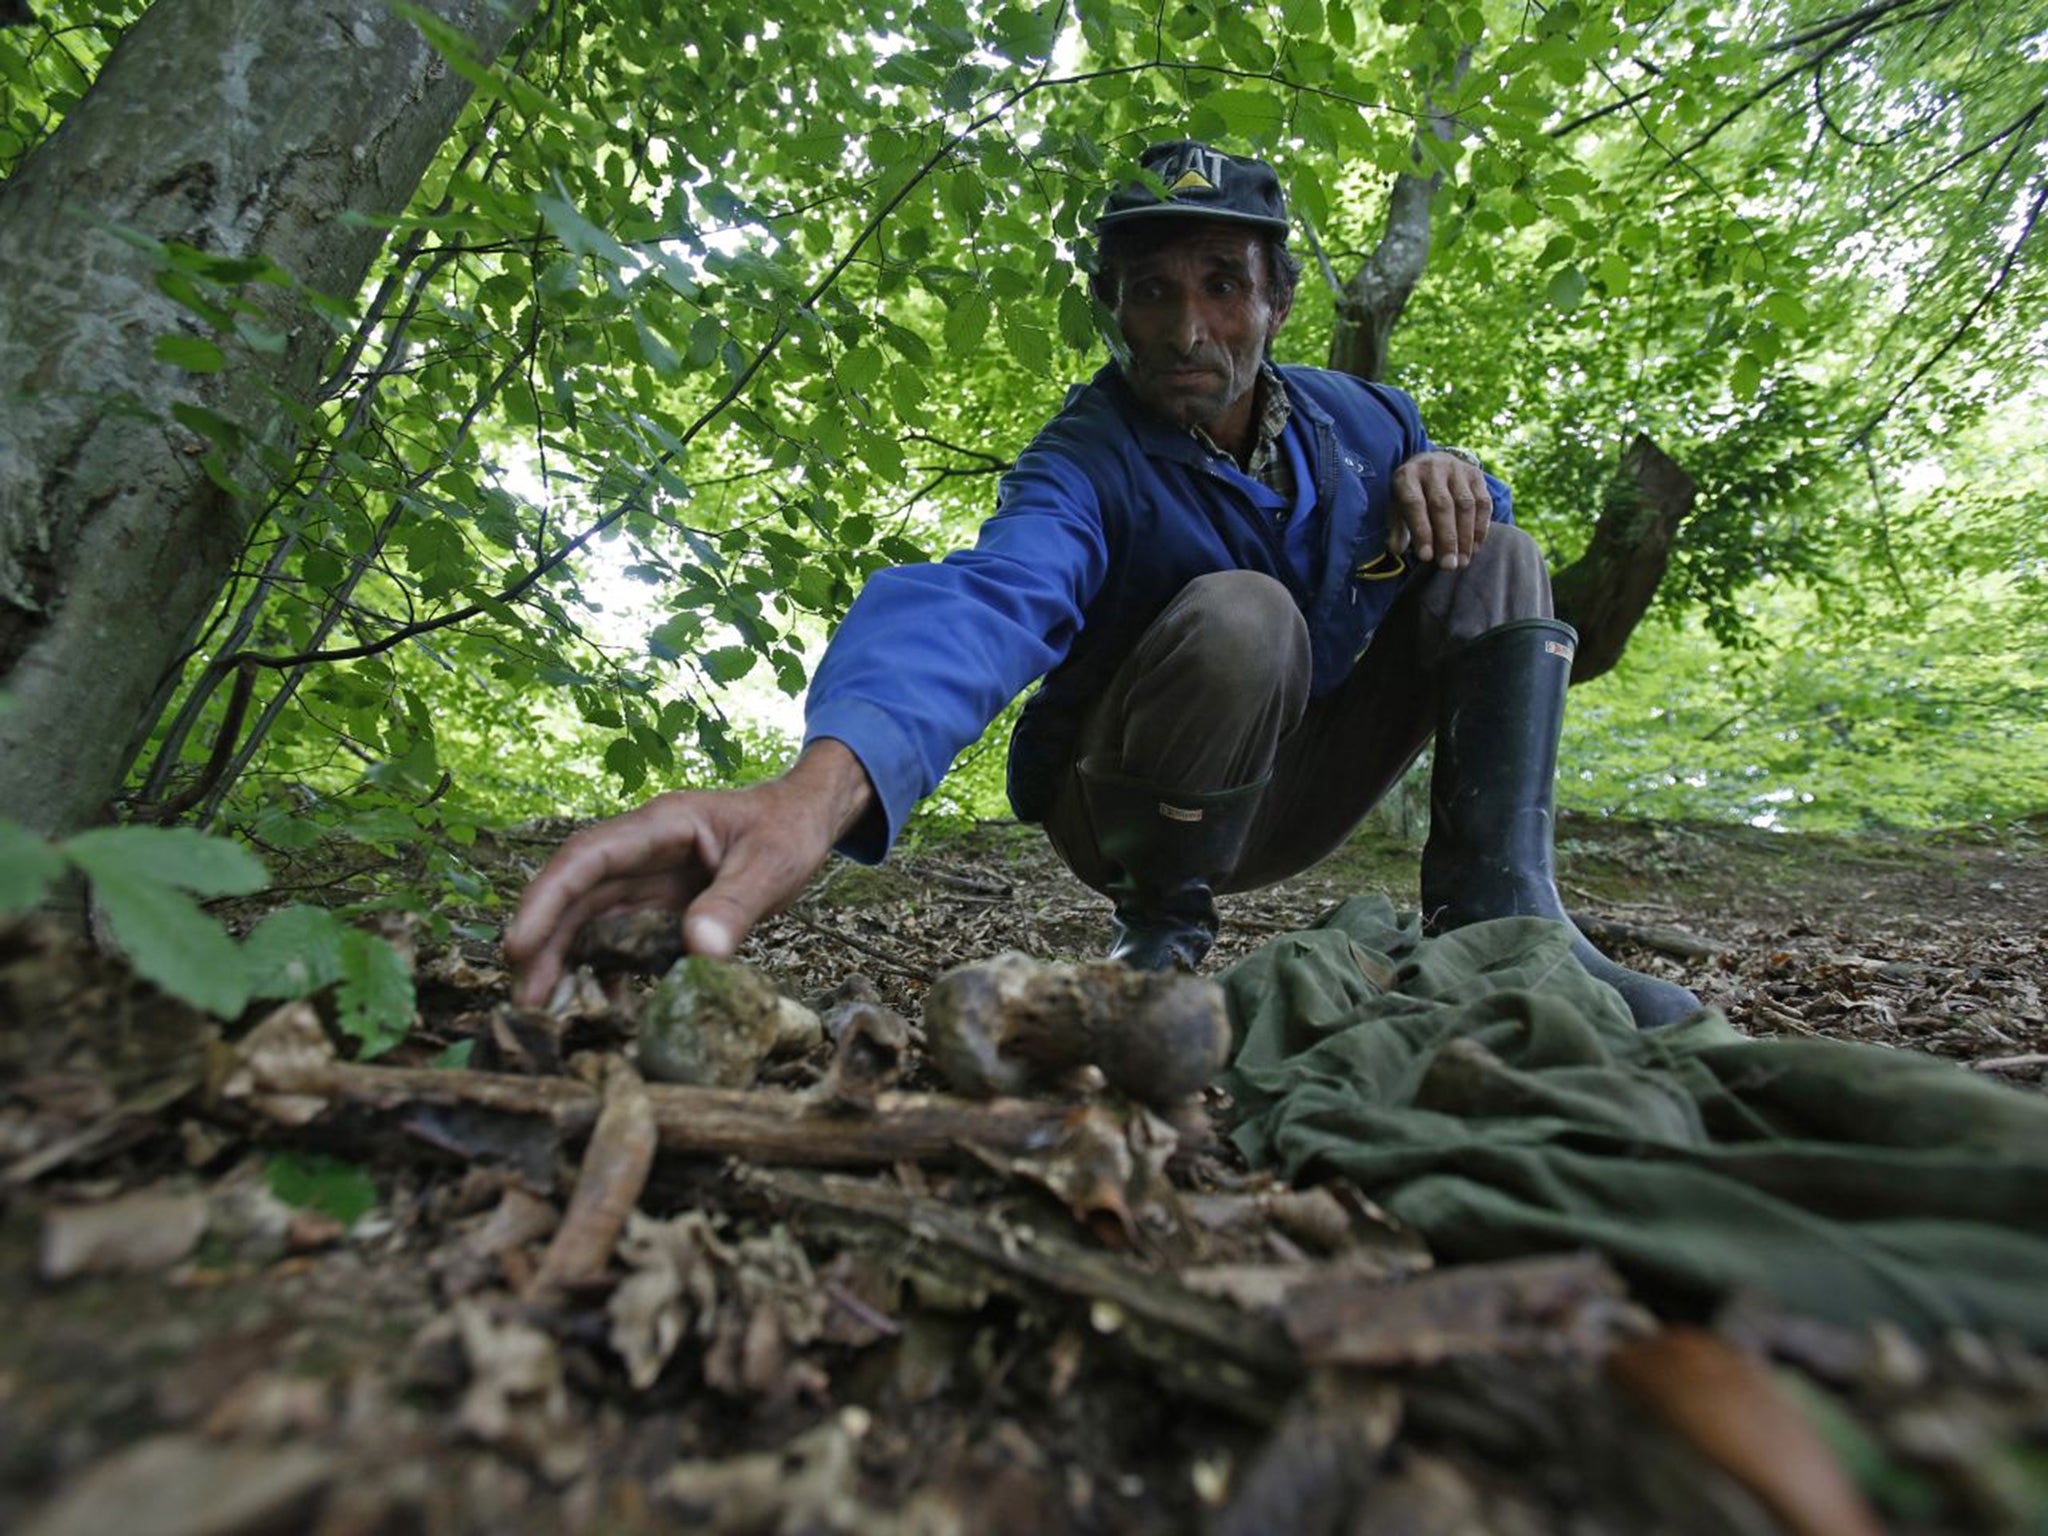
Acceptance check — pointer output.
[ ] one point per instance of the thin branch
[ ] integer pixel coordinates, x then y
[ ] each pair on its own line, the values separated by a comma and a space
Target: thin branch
2005, 271
1963, 157
1884, 535
1858, 20
1586, 119
936, 441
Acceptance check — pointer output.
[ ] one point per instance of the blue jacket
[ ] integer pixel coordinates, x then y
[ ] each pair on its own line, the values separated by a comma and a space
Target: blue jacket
1105, 517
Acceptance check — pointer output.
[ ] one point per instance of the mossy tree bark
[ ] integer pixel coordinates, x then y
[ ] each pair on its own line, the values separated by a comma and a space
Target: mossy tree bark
242, 131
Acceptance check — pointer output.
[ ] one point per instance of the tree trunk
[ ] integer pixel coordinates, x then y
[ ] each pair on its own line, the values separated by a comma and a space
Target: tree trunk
241, 130
1370, 305
1605, 592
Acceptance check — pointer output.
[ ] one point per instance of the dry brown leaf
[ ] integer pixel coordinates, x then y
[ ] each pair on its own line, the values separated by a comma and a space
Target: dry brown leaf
772, 1309
181, 1485
671, 1293
288, 1044
518, 1218
629, 943
1011, 1023
134, 1234
1266, 1287
1726, 1405
517, 1398
810, 1484
867, 1057
270, 1406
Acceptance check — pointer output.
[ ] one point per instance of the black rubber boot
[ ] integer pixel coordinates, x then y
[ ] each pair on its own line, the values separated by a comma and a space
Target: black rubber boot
1169, 849
1491, 800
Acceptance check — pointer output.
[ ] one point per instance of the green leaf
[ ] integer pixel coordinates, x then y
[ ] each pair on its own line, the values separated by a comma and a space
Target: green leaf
1748, 376
311, 1181
908, 392
27, 866
729, 663
173, 856
375, 999
1617, 276
578, 233
170, 941
261, 338
660, 356
211, 425
908, 343
194, 354
705, 335
294, 952
1783, 308
674, 636
1566, 287
1077, 318
624, 759
967, 322
967, 196
1250, 114
1028, 344
860, 368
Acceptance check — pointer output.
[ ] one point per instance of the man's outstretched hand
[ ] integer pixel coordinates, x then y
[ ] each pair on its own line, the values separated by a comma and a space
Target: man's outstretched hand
720, 859
1442, 510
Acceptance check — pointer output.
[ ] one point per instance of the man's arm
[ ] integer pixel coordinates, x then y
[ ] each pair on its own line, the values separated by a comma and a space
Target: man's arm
720, 859
928, 656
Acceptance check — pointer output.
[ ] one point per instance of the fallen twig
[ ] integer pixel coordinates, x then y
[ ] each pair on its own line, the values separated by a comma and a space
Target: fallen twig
88, 1139
287, 1069
881, 957
1570, 1304
1219, 1351
1675, 942
615, 1169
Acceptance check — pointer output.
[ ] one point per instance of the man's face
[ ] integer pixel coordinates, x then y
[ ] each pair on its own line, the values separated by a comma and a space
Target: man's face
1196, 317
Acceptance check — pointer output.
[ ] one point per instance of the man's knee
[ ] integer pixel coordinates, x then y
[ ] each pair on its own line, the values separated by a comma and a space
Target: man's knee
1515, 553
1507, 580
1234, 627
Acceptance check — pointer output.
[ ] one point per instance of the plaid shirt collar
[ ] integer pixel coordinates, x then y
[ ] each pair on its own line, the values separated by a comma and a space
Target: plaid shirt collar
1268, 464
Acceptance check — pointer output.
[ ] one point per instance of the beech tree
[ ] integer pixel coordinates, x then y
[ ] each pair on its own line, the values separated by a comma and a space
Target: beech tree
246, 150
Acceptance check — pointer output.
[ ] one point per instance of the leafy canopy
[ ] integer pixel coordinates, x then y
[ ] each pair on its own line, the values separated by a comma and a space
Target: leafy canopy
732, 309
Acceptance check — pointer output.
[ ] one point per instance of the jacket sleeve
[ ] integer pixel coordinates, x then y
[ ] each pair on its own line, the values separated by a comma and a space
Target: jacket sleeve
1415, 440
929, 654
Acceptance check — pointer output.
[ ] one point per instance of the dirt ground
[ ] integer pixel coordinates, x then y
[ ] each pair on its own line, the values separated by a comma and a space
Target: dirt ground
219, 1320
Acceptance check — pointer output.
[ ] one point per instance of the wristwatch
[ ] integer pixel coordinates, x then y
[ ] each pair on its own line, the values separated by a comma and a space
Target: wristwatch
1466, 454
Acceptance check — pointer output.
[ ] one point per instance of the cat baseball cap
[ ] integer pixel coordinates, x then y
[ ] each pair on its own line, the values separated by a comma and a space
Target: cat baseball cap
1201, 182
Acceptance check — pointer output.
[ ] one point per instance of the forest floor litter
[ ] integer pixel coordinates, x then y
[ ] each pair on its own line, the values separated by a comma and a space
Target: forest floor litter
513, 1275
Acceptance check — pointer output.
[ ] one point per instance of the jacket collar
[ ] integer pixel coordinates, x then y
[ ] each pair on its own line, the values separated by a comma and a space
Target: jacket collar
1162, 440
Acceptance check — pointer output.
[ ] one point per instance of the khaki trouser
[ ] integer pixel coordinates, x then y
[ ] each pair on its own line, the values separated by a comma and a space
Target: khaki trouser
1215, 695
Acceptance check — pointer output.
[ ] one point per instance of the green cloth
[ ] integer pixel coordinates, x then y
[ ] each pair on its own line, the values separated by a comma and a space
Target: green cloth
1486, 1091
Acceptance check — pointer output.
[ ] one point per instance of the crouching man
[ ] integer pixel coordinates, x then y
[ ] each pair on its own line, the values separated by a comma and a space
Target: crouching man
1253, 592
